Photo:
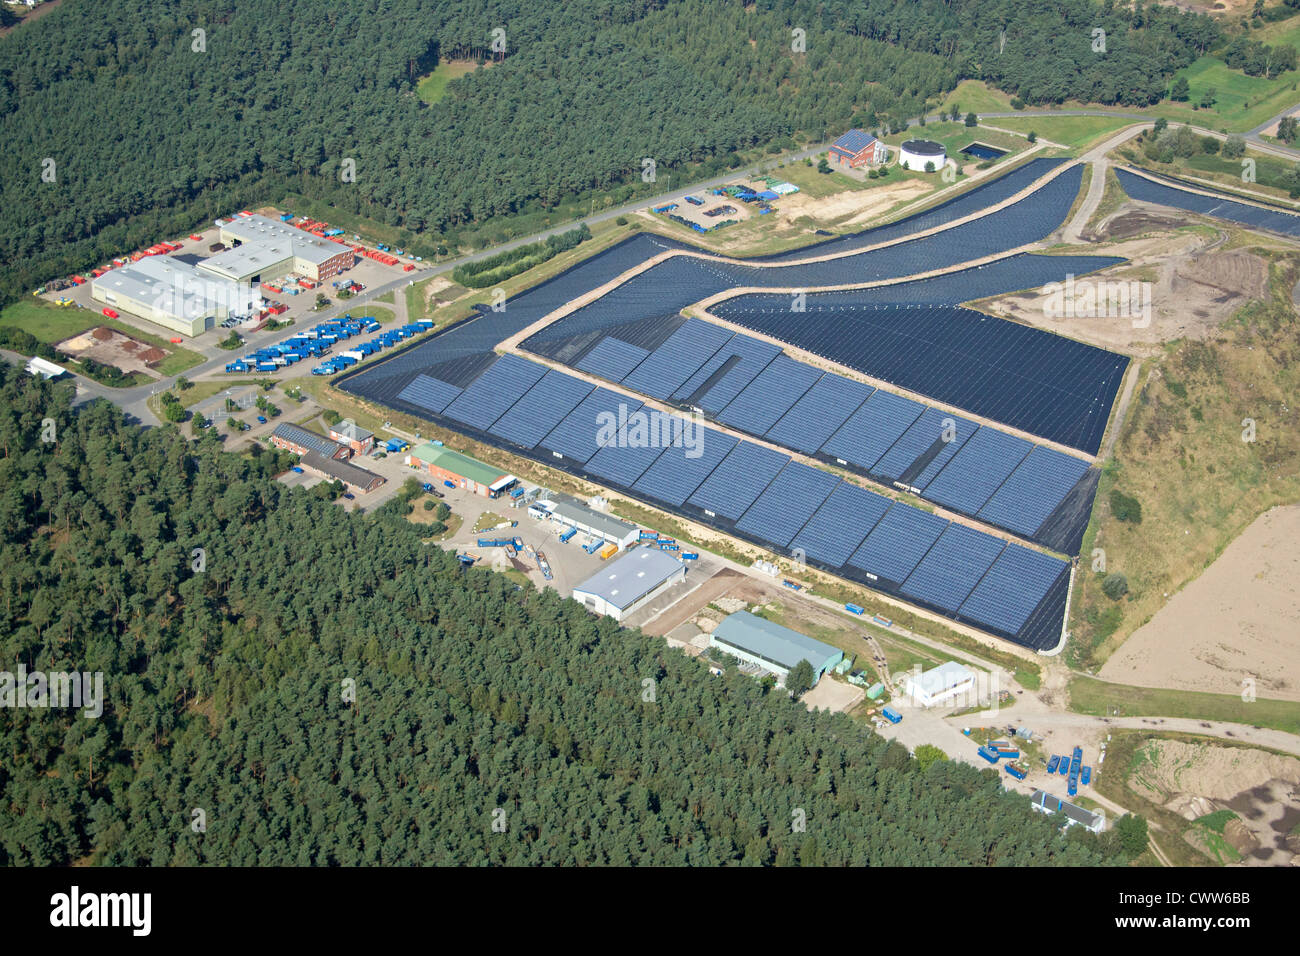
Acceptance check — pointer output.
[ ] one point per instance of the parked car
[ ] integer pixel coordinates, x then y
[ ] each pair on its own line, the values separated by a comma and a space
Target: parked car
349, 495
296, 470
261, 419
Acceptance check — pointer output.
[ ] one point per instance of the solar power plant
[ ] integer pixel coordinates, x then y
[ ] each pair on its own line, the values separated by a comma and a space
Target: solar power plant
1016, 583
898, 543
575, 436
981, 197
770, 395
721, 378
1033, 491
541, 408
487, 399
839, 525
621, 463
668, 367
1042, 383
952, 568
872, 429
924, 448
1144, 190
732, 487
612, 359
430, 394
819, 413
978, 470
679, 471
787, 503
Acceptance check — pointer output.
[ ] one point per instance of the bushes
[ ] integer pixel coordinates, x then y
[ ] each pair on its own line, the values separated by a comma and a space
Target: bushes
1114, 586
1125, 508
496, 269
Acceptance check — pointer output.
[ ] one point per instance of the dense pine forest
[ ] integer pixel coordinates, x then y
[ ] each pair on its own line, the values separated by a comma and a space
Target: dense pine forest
230, 733
123, 125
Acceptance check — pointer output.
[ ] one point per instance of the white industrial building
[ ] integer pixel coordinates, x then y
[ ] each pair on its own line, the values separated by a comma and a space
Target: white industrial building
629, 581
915, 154
39, 366
174, 294
939, 684
613, 530
1044, 802
265, 249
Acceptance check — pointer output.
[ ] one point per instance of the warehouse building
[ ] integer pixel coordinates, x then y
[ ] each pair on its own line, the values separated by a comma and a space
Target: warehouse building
263, 249
1044, 802
939, 684
606, 527
174, 294
38, 366
858, 148
444, 465
771, 646
347, 432
353, 476
302, 441
629, 582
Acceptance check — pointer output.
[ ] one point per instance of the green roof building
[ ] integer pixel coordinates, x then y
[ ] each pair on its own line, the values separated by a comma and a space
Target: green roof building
461, 471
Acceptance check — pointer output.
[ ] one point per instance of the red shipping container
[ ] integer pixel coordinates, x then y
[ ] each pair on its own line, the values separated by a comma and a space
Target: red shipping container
408, 268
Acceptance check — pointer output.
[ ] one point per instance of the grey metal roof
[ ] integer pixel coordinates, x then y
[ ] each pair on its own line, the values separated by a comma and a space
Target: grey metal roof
628, 578
772, 642
607, 524
354, 475
1054, 804
290, 239
306, 439
175, 287
351, 430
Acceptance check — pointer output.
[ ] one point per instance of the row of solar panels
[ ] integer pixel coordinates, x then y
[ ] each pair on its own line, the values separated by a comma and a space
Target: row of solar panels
1144, 190
754, 387
751, 490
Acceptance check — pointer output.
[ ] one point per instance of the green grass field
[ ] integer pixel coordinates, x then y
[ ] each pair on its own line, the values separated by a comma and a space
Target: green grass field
1090, 696
976, 96
1241, 102
53, 323
433, 87
1075, 132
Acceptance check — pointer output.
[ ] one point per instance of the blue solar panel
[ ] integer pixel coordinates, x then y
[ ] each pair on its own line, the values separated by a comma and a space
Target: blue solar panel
953, 566
734, 484
612, 359
787, 503
541, 409
770, 395
634, 449
1034, 490
752, 357
821, 410
898, 542
1012, 588
429, 393
839, 525
873, 428
977, 470
489, 395
596, 415
926, 437
679, 471
668, 366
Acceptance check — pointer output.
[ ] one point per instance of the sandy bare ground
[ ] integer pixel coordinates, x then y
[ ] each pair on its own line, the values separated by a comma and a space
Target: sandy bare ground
859, 206
1240, 619
1195, 286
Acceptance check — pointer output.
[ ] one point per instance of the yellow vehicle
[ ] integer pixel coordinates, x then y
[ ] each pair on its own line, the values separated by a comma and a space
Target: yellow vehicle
609, 551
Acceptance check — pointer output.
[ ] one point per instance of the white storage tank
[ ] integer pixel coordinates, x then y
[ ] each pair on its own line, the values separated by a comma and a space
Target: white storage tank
915, 153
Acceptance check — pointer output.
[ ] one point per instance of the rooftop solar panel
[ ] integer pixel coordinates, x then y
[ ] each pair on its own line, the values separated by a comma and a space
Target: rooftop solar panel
1035, 489
576, 436
872, 429
976, 471
952, 567
667, 367
679, 471
821, 410
787, 503
770, 395
612, 359
734, 484
1012, 588
541, 408
837, 527
897, 543
488, 396
431, 394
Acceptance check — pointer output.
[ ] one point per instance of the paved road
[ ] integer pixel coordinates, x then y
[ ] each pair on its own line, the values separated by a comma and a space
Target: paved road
1096, 158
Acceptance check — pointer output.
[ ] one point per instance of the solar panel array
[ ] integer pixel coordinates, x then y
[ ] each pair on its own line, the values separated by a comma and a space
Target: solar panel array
787, 503
492, 393
1144, 190
898, 543
770, 395
1011, 589
953, 566
1033, 491
819, 413
541, 408
577, 435
872, 429
612, 359
936, 434
839, 525
979, 469
727, 372
678, 472
734, 484
430, 394
670, 365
